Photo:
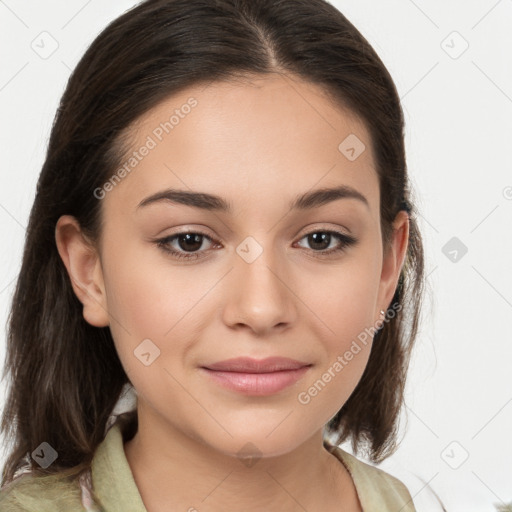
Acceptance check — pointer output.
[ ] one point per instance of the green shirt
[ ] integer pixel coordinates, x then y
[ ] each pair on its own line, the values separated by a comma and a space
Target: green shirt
113, 483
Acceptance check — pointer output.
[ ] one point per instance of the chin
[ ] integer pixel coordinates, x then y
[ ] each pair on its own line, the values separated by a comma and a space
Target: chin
258, 445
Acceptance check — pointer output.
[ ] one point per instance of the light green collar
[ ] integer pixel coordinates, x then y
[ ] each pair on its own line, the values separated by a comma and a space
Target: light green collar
112, 477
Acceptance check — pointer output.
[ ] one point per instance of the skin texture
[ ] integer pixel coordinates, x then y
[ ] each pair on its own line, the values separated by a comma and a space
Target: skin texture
258, 145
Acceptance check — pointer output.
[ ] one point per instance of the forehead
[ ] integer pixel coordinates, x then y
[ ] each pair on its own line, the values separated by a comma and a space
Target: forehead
268, 138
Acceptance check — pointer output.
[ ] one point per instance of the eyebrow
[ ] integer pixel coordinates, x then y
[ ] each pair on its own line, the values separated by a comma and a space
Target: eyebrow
210, 202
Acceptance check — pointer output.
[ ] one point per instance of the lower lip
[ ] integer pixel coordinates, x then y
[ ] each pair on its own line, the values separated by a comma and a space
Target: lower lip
257, 384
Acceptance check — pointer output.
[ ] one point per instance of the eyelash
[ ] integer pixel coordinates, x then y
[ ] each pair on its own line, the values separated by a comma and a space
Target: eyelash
163, 243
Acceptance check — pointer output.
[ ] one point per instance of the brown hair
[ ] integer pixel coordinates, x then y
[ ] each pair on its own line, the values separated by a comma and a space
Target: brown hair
64, 375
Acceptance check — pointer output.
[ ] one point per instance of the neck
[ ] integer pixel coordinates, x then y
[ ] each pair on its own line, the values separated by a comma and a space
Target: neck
170, 467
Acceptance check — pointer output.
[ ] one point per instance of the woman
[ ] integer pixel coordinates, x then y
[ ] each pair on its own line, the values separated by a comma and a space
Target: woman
269, 136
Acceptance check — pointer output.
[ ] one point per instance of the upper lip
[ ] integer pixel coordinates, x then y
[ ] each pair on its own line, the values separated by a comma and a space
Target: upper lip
250, 365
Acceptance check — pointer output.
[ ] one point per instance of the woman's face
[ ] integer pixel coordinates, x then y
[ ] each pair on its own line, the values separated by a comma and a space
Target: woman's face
258, 282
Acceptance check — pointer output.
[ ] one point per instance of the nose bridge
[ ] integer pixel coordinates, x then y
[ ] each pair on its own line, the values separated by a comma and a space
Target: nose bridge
261, 299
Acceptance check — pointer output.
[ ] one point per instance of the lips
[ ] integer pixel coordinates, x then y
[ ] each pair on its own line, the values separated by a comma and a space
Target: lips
256, 377
250, 365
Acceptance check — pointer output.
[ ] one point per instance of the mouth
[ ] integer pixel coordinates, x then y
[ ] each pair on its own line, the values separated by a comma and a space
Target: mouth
256, 377
250, 365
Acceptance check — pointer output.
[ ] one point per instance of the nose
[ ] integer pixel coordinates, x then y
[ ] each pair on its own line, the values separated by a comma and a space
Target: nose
260, 292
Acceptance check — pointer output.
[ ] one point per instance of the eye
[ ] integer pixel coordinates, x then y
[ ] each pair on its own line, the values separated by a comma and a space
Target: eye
320, 240
189, 240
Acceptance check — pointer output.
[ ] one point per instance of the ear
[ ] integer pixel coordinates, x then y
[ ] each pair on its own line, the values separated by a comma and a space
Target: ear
393, 261
84, 269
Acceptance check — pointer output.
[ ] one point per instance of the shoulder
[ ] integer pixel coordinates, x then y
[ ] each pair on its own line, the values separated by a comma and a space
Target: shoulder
48, 493
377, 490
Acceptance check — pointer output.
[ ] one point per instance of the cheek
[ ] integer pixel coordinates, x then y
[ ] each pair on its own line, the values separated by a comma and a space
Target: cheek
153, 307
343, 300
147, 294
344, 360
343, 309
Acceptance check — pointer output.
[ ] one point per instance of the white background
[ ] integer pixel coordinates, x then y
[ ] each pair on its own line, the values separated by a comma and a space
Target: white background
458, 111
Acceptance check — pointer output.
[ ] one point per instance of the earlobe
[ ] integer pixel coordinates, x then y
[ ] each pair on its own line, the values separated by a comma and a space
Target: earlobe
83, 265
